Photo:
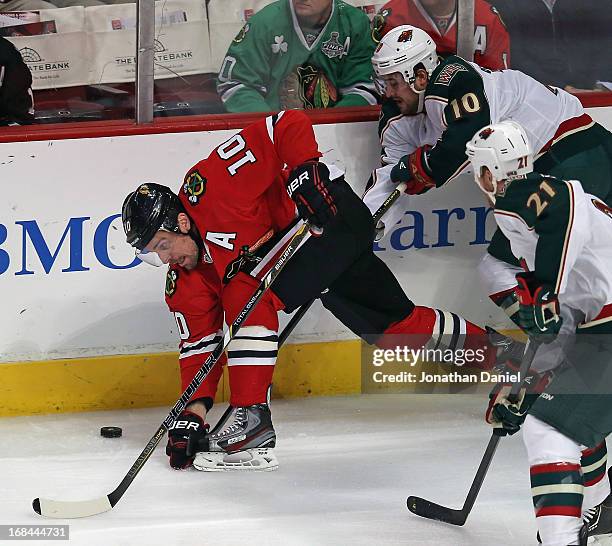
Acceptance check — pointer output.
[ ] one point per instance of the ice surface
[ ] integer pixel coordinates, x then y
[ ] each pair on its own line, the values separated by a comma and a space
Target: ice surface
347, 465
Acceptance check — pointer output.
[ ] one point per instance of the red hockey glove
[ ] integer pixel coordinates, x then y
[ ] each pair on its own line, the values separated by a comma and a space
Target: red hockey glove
409, 169
313, 192
185, 432
538, 313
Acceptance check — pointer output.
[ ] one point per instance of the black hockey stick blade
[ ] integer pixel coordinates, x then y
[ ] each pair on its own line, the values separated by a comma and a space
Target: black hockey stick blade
431, 510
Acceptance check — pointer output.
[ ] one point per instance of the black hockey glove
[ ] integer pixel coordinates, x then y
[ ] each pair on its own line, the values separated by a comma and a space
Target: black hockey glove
185, 432
313, 192
505, 416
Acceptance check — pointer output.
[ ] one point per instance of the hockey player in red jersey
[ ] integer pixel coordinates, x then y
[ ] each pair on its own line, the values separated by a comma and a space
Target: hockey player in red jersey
236, 209
439, 19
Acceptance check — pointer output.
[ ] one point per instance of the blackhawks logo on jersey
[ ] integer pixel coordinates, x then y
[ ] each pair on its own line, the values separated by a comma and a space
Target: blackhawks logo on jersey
171, 280
194, 187
240, 36
378, 24
316, 89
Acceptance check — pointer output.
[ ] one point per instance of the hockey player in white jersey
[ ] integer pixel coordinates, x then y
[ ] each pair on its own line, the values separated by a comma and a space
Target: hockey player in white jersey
434, 107
562, 234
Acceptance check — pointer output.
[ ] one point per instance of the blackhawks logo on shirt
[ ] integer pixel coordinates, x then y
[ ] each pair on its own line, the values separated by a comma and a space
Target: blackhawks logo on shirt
171, 280
194, 187
378, 24
240, 36
316, 89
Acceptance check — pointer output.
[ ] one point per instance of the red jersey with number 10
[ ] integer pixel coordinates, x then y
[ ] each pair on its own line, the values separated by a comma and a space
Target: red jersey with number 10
237, 194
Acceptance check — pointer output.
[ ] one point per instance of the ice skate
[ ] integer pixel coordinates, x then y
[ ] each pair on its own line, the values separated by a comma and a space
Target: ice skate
243, 439
599, 520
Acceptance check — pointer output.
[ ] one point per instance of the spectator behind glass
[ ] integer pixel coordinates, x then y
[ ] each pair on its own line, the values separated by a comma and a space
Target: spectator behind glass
299, 54
566, 43
16, 102
439, 19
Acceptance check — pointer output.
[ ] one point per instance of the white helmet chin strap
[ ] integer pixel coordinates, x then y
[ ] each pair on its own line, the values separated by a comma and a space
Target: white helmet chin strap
490, 194
421, 95
411, 81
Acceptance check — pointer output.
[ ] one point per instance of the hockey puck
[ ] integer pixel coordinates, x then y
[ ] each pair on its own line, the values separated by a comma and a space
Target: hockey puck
111, 432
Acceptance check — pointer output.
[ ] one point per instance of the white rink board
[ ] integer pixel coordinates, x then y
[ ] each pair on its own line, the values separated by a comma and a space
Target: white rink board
87, 303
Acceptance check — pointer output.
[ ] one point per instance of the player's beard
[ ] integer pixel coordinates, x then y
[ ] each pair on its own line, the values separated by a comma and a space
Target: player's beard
407, 108
191, 258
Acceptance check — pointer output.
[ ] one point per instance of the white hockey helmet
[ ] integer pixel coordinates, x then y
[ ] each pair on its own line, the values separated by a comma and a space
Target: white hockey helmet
401, 50
504, 149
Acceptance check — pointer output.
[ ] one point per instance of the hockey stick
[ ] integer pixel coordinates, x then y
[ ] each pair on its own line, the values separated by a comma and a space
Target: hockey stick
380, 212
294, 322
78, 509
75, 509
431, 510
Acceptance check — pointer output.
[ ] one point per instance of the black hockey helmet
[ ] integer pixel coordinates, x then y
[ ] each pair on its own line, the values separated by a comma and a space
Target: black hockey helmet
147, 210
